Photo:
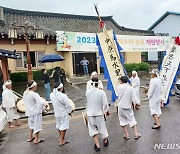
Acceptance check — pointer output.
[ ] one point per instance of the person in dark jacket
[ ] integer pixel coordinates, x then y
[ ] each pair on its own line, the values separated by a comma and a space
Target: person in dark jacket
57, 75
47, 86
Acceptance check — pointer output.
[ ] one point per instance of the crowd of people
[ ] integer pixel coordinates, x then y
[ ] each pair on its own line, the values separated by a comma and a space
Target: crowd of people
97, 107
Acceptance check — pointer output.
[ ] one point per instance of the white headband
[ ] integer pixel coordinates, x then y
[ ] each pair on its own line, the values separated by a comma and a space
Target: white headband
134, 72
7, 82
33, 85
93, 74
60, 86
55, 90
155, 71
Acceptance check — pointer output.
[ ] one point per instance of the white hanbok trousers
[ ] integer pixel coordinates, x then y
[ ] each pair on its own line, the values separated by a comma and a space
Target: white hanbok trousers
35, 123
12, 114
136, 90
62, 122
155, 107
96, 125
126, 116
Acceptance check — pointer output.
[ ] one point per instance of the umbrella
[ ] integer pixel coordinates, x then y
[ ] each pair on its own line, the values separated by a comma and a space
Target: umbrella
51, 58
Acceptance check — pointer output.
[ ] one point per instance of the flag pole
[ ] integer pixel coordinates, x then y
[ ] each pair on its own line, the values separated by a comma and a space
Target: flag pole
105, 31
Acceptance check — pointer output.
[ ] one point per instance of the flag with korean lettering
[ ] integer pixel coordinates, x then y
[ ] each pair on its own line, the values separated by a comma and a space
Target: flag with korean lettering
170, 66
111, 60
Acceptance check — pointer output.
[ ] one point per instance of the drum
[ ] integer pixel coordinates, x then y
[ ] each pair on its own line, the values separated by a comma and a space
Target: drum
21, 107
72, 104
46, 103
145, 89
144, 92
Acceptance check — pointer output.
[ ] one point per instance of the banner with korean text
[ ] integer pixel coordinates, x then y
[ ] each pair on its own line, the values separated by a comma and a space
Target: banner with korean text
78, 41
111, 57
132, 43
169, 68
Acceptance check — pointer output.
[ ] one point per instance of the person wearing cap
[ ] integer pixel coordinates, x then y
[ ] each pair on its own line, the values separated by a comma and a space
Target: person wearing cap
126, 97
34, 106
62, 109
96, 106
8, 101
90, 84
154, 95
135, 83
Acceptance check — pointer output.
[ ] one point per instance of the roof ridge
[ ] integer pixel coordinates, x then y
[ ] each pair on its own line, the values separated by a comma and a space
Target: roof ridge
66, 22
128, 29
173, 12
51, 14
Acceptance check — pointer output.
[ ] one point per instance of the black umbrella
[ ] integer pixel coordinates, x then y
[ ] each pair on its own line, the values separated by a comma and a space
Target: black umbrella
51, 58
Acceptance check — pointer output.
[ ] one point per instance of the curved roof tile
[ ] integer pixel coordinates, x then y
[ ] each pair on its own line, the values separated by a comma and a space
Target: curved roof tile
50, 22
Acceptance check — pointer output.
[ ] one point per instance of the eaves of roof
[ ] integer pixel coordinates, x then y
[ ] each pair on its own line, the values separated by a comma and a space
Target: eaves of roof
48, 14
52, 22
131, 29
9, 54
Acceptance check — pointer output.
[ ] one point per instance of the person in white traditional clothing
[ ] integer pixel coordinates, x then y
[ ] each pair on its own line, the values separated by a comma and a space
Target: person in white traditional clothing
62, 109
154, 95
8, 101
90, 84
135, 83
126, 97
34, 106
97, 106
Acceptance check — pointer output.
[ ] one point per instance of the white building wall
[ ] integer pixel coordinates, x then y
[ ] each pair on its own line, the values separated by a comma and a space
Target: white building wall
170, 25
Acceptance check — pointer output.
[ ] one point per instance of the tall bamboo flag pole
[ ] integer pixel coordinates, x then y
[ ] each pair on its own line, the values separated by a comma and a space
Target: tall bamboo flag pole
102, 25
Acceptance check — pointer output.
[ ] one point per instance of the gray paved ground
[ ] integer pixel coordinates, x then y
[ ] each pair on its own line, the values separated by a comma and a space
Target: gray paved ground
14, 141
81, 143
76, 91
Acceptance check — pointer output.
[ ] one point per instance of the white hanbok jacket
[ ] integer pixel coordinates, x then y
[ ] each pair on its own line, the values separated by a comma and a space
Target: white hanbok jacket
154, 95
135, 82
89, 85
8, 98
33, 103
97, 103
126, 96
60, 103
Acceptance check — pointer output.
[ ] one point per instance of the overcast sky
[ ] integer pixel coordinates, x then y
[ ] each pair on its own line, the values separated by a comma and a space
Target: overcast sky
139, 14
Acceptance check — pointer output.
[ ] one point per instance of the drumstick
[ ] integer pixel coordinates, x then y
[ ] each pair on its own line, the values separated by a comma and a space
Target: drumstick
104, 117
19, 95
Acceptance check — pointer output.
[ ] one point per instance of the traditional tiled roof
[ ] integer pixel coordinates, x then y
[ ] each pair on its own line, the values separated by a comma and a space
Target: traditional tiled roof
162, 18
51, 22
9, 54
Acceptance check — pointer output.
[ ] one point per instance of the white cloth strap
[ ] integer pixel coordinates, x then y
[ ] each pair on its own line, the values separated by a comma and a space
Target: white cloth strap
33, 85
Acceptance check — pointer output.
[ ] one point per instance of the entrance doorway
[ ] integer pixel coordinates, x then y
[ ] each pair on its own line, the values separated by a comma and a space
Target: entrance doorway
78, 68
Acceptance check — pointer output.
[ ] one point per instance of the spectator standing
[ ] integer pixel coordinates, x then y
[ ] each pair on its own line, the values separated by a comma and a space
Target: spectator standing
85, 64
